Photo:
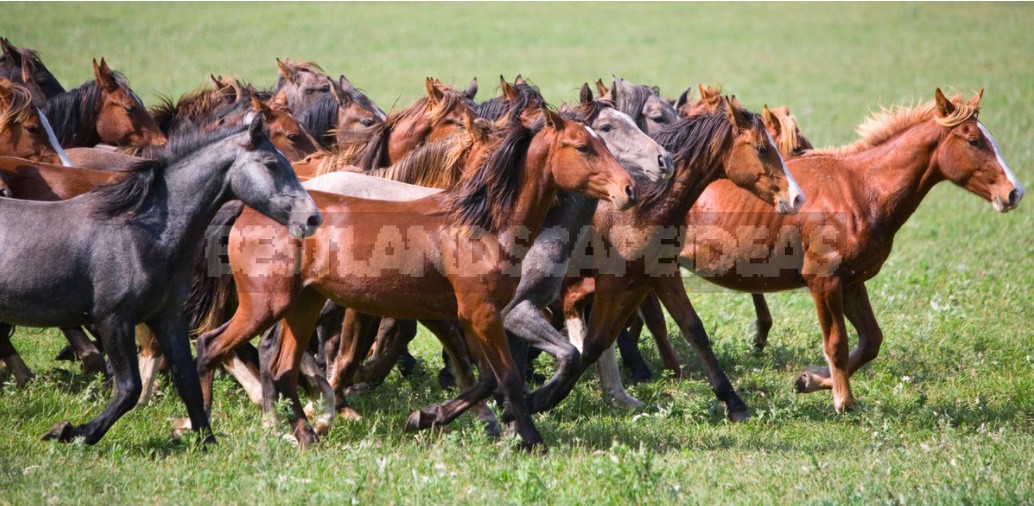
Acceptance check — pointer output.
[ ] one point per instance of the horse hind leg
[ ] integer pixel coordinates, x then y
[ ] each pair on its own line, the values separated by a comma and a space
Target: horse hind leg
118, 342
763, 324
85, 350
22, 374
150, 360
453, 345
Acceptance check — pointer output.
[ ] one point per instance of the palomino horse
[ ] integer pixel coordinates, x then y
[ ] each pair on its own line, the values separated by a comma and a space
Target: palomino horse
863, 194
633, 253
24, 131
23, 66
346, 111
159, 213
452, 249
102, 111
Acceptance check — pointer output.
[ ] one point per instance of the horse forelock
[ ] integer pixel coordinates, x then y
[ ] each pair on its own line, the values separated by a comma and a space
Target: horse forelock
19, 108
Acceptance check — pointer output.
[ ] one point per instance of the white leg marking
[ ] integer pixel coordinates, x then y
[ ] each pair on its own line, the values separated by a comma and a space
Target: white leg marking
610, 379
247, 378
576, 332
148, 373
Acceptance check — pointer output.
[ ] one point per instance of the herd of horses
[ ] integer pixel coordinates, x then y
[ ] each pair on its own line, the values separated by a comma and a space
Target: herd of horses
306, 215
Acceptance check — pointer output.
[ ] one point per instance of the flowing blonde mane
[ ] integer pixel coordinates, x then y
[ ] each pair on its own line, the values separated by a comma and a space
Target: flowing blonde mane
883, 125
18, 107
436, 165
788, 131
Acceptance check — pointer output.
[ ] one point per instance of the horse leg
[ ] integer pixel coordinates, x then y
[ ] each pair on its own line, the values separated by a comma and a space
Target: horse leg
22, 374
392, 338
296, 328
764, 321
213, 346
653, 316
607, 366
870, 337
117, 336
673, 295
171, 330
243, 365
356, 339
632, 357
93, 361
317, 386
328, 331
829, 304
150, 360
452, 342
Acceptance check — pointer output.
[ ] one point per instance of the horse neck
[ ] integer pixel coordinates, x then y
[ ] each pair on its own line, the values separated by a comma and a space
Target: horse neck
406, 132
898, 174
684, 189
189, 194
75, 115
537, 194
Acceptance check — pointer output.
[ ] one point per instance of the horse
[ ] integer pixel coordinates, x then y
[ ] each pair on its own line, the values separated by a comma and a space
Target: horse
519, 96
57, 273
24, 131
104, 110
346, 111
641, 102
633, 253
303, 82
864, 193
23, 66
505, 200
195, 110
540, 284
786, 134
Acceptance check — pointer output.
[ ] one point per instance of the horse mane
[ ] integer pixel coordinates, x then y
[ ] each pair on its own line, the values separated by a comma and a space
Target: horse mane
486, 195
693, 142
434, 165
193, 105
19, 109
497, 107
888, 122
69, 112
631, 100
136, 191
788, 130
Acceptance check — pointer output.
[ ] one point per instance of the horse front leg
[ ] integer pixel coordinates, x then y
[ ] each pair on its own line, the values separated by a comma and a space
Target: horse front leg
673, 295
653, 316
858, 311
296, 328
829, 304
170, 330
117, 336
764, 322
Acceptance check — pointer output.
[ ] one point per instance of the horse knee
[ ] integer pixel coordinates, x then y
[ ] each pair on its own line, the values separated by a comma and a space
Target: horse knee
569, 358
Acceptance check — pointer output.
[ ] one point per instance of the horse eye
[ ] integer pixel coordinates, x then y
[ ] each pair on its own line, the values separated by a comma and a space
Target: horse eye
272, 166
130, 107
32, 129
582, 148
294, 137
606, 128
798, 151
366, 121
325, 89
761, 149
659, 119
974, 142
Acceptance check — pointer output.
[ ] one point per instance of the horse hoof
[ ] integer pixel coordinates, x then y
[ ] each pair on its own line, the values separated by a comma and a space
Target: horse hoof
446, 380
349, 414
419, 420
626, 401
306, 438
406, 363
492, 430
738, 416
180, 427
534, 447
63, 432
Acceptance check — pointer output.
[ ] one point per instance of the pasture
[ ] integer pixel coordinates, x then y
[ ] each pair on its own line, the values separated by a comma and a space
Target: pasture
948, 406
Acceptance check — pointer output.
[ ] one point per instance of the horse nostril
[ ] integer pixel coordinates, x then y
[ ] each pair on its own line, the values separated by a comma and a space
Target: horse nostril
314, 220
630, 193
1014, 197
798, 201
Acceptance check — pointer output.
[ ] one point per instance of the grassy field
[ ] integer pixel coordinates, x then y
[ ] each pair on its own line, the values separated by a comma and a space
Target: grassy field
948, 406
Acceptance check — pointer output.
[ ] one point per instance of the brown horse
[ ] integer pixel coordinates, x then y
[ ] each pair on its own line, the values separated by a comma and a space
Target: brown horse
506, 200
283, 129
195, 110
861, 195
102, 111
346, 112
24, 132
23, 66
438, 115
634, 253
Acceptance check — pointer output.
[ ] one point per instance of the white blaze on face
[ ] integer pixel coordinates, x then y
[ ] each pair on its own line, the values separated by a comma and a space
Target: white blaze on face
795, 193
1001, 162
52, 137
593, 133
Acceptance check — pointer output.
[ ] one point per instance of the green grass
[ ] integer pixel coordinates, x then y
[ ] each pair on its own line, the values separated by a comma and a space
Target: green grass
948, 406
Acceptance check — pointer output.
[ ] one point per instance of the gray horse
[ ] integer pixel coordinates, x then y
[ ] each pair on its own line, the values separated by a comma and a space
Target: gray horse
121, 255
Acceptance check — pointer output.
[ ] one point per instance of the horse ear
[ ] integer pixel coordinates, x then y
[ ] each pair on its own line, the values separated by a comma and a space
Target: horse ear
510, 93
338, 91
255, 132
217, 83
733, 114
11, 51
682, 100
279, 101
261, 108
944, 106
434, 95
518, 80
344, 83
601, 89
585, 97
102, 73
476, 129
975, 101
285, 71
472, 89
769, 119
553, 119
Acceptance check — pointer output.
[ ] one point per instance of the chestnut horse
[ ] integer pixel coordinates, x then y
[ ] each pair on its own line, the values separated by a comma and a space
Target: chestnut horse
345, 112
102, 111
634, 253
506, 200
24, 130
863, 194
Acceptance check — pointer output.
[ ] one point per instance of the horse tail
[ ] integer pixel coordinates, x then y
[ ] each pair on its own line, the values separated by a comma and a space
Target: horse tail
213, 293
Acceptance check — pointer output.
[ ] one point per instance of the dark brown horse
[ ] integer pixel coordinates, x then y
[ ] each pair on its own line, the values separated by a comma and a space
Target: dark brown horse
506, 199
345, 113
23, 66
102, 111
859, 196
